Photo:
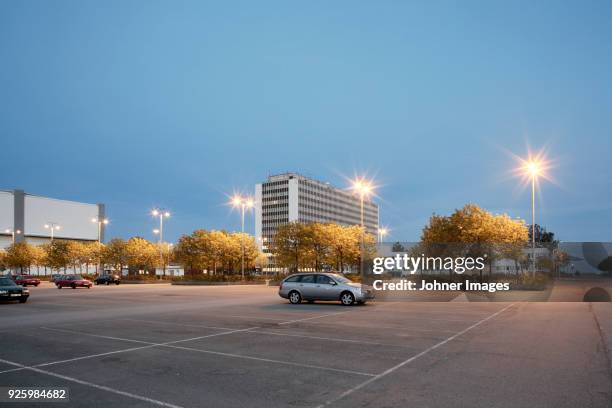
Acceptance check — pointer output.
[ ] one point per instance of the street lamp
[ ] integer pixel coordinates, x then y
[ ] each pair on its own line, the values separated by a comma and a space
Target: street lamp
12, 232
382, 231
161, 214
53, 226
363, 188
100, 222
533, 168
243, 203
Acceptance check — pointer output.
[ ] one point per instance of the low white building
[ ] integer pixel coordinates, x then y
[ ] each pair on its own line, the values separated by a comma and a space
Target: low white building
35, 219
171, 270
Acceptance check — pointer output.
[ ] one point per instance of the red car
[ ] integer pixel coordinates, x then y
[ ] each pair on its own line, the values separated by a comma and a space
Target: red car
25, 280
72, 281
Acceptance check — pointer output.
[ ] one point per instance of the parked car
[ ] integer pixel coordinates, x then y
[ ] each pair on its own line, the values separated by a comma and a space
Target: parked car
73, 281
9, 290
107, 279
25, 280
324, 286
56, 276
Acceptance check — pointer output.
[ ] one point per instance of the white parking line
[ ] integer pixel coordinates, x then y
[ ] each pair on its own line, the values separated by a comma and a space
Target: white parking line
369, 343
89, 384
257, 317
172, 344
147, 345
289, 363
314, 317
411, 359
178, 324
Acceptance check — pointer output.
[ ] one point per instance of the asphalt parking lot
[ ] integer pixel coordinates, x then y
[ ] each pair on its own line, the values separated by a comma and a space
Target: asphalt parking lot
243, 346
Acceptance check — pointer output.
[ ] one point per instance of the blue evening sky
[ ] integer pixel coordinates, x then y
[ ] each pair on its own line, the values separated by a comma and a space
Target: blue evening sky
175, 104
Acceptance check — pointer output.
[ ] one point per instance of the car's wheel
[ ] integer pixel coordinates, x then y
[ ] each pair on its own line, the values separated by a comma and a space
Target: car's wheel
295, 297
59, 286
88, 286
347, 298
37, 284
73, 286
107, 283
116, 283
23, 299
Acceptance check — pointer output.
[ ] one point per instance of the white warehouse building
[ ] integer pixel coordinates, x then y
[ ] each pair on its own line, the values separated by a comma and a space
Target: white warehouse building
33, 219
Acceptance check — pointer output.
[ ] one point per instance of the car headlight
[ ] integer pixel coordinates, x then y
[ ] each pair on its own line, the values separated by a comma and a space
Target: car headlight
3, 292
25, 291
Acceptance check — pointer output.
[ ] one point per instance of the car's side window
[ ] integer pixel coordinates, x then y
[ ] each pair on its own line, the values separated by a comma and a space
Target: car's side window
323, 280
307, 279
295, 278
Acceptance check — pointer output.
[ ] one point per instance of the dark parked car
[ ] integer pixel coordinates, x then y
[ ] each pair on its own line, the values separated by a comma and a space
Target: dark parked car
73, 281
107, 279
25, 280
9, 290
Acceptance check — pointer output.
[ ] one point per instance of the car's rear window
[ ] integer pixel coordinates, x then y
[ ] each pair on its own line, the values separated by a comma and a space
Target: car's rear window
307, 279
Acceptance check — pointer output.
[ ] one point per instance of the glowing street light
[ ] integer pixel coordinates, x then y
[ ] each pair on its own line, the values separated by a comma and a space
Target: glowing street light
161, 214
382, 232
100, 222
243, 203
364, 188
532, 168
53, 226
12, 232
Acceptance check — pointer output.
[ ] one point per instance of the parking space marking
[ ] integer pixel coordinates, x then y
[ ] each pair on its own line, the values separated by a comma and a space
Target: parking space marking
172, 344
257, 317
147, 345
178, 324
268, 360
411, 359
90, 384
313, 317
370, 343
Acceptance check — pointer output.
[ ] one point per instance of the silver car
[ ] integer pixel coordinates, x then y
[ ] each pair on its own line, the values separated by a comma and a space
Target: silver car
323, 286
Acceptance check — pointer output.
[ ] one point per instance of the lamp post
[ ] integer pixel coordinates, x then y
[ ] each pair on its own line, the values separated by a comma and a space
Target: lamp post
161, 214
53, 226
12, 232
243, 203
364, 189
533, 169
100, 222
382, 232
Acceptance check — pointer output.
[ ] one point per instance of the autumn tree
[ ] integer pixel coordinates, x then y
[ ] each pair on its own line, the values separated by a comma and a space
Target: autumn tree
115, 254
320, 246
472, 231
141, 254
289, 246
59, 254
188, 254
20, 255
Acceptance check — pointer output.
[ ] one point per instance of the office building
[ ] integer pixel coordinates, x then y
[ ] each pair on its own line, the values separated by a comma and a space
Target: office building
290, 197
